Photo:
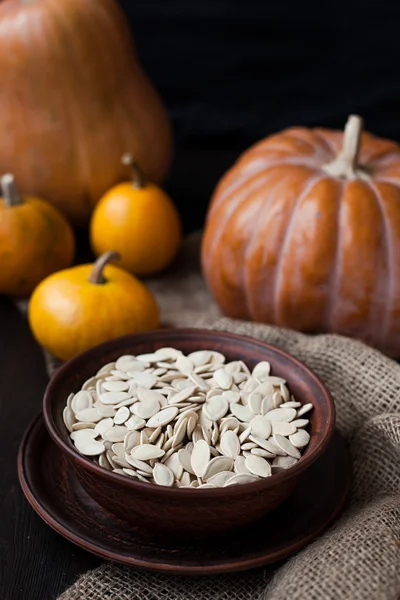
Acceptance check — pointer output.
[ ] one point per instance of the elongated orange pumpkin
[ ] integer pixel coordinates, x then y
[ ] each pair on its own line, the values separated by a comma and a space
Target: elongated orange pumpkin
73, 99
304, 232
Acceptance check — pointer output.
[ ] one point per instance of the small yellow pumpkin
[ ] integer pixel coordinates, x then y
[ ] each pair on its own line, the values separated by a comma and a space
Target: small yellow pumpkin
140, 222
78, 308
35, 240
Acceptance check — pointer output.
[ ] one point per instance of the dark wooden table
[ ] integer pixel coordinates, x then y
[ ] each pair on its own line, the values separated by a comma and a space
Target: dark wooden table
35, 562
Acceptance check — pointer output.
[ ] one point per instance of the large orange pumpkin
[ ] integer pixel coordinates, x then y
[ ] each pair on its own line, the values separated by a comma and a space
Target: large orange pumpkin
73, 99
304, 232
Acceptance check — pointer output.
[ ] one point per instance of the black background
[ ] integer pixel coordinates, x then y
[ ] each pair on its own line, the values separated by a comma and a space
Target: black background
233, 71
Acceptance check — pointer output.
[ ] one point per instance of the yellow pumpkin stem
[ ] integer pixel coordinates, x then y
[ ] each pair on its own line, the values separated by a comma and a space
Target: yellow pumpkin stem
138, 178
97, 275
346, 165
9, 190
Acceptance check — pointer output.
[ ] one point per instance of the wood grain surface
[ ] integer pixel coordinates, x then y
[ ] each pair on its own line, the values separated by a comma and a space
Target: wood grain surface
35, 563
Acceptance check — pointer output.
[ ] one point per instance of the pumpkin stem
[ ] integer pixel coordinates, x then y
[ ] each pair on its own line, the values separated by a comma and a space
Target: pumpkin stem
138, 178
9, 190
345, 165
97, 275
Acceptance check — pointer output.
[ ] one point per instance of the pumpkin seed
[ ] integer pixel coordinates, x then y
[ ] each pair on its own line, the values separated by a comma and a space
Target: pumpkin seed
241, 412
283, 428
230, 445
260, 427
258, 466
286, 446
200, 457
163, 475
122, 415
216, 465
241, 478
146, 452
300, 438
281, 414
304, 409
216, 407
223, 379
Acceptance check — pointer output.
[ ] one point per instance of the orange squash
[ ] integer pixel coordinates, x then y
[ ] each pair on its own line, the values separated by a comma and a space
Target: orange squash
35, 240
139, 221
304, 232
78, 308
73, 99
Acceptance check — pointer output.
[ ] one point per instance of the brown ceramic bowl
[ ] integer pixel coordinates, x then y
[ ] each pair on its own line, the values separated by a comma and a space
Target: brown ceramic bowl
189, 511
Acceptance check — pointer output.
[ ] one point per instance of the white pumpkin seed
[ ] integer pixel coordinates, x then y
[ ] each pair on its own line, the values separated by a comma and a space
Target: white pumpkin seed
163, 417
116, 433
114, 397
175, 465
283, 462
146, 408
216, 465
286, 445
135, 423
300, 439
184, 364
230, 445
89, 447
116, 386
304, 409
200, 457
147, 452
260, 427
241, 412
241, 478
122, 415
254, 402
163, 475
231, 396
223, 379
283, 428
220, 479
281, 414
240, 465
79, 426
216, 407
249, 446
81, 401
103, 462
261, 452
262, 370
106, 411
299, 423
103, 425
69, 418
258, 466
185, 460
90, 434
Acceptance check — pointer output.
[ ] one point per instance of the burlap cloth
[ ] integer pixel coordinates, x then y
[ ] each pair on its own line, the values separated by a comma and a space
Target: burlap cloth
359, 557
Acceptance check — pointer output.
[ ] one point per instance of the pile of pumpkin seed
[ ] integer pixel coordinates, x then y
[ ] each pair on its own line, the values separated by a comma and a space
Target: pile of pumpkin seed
187, 421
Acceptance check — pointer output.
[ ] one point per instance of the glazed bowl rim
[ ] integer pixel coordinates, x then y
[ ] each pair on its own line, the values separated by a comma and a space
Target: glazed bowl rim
173, 492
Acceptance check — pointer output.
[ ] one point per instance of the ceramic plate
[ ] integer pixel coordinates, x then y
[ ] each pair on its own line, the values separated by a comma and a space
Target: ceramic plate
51, 487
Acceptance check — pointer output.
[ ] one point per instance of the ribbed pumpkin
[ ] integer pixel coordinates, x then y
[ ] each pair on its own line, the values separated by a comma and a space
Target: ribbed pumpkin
73, 99
304, 232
